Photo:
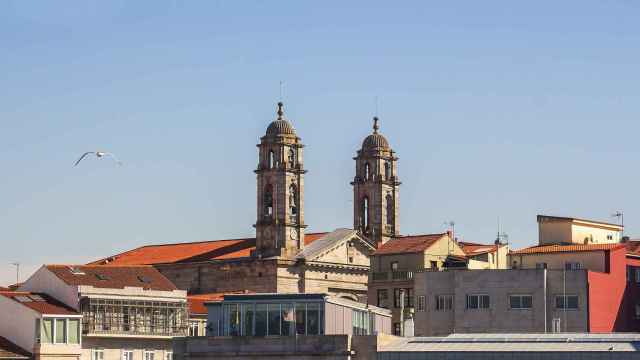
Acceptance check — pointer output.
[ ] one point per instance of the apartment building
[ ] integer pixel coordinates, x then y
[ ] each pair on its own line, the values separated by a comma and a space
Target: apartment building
127, 312
41, 326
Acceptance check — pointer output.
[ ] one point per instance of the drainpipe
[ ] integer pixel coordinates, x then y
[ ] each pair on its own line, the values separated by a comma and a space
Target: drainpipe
544, 290
401, 312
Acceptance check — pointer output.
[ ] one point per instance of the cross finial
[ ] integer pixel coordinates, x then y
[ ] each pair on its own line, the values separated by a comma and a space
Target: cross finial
376, 127
280, 110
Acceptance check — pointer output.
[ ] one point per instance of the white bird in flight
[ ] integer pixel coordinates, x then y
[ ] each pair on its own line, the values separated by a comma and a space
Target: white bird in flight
99, 155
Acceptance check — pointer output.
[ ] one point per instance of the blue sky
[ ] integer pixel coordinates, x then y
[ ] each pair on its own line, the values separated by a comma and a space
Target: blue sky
495, 108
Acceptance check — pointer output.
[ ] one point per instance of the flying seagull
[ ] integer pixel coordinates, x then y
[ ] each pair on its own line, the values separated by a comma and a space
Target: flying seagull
99, 155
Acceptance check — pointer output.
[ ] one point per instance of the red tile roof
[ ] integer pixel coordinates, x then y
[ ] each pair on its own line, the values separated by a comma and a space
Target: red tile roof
9, 350
42, 303
544, 249
473, 249
196, 302
409, 244
189, 252
113, 277
633, 247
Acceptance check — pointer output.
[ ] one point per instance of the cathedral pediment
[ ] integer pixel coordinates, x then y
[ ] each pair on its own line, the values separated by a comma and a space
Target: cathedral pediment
341, 246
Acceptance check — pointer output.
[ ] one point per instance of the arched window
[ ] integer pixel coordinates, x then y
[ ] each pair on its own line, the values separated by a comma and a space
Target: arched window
293, 200
387, 170
292, 157
268, 200
272, 159
367, 171
365, 214
390, 210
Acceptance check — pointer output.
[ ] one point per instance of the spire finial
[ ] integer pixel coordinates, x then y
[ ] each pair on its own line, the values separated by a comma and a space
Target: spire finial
280, 110
376, 127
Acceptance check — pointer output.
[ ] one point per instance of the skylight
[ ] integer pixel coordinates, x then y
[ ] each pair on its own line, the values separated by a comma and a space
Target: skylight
76, 270
23, 298
36, 297
103, 277
144, 279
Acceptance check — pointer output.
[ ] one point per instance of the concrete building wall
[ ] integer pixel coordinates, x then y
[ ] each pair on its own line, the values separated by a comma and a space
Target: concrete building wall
499, 285
565, 230
45, 281
331, 347
18, 324
581, 234
554, 232
114, 346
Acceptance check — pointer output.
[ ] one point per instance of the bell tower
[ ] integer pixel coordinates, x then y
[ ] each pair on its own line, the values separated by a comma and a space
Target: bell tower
375, 189
280, 180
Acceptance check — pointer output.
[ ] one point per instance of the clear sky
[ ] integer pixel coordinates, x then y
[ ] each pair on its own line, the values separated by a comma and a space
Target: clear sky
496, 109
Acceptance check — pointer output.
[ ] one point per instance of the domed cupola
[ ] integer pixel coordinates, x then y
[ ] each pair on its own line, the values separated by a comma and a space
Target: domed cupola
375, 140
280, 126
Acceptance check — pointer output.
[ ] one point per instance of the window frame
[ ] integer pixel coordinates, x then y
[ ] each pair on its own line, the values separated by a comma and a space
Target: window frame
521, 297
386, 298
95, 351
148, 352
565, 302
124, 352
422, 303
444, 302
479, 301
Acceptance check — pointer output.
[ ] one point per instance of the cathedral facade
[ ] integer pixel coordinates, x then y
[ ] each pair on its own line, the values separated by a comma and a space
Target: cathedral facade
282, 258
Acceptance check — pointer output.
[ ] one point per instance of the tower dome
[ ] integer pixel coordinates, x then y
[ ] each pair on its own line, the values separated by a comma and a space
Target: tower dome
375, 140
280, 126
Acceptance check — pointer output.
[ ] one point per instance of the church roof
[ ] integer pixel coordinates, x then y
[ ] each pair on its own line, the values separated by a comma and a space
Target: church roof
327, 242
190, 252
375, 140
409, 244
280, 126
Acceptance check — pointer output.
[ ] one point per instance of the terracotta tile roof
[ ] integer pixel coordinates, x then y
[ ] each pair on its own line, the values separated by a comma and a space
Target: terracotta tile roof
196, 301
409, 244
473, 249
42, 303
189, 252
544, 249
113, 277
633, 247
9, 350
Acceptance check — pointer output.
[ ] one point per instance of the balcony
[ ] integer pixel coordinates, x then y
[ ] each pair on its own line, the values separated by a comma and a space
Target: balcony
134, 318
392, 275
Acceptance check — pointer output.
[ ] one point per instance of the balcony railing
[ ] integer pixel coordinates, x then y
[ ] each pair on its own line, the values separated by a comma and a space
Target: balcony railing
392, 275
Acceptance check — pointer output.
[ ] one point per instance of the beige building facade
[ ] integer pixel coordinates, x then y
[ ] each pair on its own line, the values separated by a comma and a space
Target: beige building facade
558, 230
126, 312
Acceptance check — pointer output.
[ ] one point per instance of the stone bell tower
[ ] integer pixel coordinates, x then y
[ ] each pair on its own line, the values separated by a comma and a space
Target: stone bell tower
280, 179
375, 189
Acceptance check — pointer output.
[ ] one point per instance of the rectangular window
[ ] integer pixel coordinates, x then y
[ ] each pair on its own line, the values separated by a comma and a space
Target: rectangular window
194, 328
444, 302
630, 274
637, 273
408, 297
61, 331
301, 319
74, 331
383, 298
149, 355
555, 325
97, 354
572, 266
248, 319
478, 302
313, 319
127, 354
288, 320
274, 319
168, 355
637, 311
261, 320
520, 302
421, 303
396, 329
541, 266
46, 335
569, 302
394, 266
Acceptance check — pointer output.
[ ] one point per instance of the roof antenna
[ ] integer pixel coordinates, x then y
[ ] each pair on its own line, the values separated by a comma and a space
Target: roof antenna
501, 235
620, 215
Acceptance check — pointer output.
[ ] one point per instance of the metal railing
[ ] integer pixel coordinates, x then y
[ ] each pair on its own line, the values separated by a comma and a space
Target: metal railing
392, 275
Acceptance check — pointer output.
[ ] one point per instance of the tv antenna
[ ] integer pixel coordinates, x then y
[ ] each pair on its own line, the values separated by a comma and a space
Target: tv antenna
17, 265
620, 216
502, 237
